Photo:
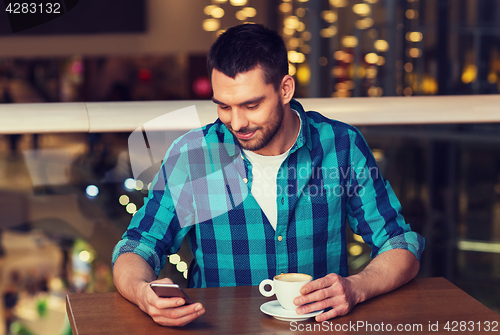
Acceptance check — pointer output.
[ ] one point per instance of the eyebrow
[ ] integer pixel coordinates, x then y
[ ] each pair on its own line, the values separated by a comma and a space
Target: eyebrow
248, 102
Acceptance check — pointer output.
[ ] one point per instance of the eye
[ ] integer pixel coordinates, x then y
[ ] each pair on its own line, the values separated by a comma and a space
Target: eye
253, 106
224, 107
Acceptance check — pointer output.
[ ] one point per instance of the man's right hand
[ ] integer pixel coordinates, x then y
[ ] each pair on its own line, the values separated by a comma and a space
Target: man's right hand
132, 276
167, 311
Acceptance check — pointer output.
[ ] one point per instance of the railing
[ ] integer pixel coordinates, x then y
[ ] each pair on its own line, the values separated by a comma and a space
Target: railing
127, 116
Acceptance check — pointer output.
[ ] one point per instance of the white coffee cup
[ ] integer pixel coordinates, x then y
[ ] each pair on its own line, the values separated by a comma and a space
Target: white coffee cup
286, 286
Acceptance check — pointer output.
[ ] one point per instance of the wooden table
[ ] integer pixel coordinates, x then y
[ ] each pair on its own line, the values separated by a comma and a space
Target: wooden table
421, 306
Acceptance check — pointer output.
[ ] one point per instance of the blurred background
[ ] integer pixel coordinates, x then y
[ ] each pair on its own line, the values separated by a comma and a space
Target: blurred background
66, 197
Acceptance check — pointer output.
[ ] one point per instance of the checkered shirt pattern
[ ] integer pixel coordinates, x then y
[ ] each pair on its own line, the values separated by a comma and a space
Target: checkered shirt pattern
329, 178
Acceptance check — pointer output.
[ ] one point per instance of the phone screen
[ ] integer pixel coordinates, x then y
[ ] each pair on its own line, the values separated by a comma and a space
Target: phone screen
170, 291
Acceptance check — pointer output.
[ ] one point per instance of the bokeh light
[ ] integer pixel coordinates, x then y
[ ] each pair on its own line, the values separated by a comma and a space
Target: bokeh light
131, 208
124, 200
92, 190
129, 184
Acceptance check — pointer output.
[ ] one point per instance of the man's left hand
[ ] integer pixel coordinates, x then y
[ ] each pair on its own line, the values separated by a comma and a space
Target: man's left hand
330, 291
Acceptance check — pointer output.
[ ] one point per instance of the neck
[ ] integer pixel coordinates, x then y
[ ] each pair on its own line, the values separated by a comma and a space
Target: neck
285, 136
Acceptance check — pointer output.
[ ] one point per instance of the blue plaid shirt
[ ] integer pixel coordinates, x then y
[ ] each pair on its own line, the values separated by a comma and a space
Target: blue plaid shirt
329, 178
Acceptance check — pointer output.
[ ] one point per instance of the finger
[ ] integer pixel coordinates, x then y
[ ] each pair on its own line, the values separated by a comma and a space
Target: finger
316, 306
306, 289
334, 312
176, 312
320, 283
336, 301
320, 294
336, 290
164, 303
179, 312
317, 295
174, 319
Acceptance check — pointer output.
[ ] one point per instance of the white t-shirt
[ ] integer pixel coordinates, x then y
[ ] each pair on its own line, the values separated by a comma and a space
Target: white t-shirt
264, 173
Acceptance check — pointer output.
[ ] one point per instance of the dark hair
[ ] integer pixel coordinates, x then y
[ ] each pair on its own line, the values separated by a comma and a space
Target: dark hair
243, 47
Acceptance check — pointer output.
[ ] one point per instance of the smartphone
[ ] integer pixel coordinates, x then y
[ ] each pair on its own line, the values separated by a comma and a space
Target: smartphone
169, 291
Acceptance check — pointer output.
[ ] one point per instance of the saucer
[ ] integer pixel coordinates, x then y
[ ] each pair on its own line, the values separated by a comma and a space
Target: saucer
274, 309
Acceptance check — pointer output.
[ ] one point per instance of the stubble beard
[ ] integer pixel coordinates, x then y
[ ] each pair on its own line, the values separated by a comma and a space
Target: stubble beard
268, 133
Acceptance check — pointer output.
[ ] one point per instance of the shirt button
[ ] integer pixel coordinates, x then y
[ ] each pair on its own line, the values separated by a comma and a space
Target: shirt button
282, 201
280, 238
245, 180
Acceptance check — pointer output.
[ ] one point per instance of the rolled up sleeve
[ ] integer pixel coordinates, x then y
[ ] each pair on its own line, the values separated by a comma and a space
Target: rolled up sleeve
374, 212
154, 231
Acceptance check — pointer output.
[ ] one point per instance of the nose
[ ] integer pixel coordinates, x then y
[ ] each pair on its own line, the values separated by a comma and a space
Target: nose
238, 119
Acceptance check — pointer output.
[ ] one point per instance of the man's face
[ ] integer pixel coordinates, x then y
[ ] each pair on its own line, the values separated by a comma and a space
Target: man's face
250, 108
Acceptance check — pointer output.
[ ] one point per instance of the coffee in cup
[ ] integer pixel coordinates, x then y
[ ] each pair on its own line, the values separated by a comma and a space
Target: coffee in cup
286, 287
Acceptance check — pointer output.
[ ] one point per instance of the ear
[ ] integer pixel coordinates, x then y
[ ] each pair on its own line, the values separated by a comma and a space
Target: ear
287, 89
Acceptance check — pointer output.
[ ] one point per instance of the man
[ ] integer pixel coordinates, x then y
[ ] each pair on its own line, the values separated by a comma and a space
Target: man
321, 173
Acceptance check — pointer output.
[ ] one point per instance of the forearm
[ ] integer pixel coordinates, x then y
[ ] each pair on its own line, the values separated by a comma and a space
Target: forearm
130, 273
386, 272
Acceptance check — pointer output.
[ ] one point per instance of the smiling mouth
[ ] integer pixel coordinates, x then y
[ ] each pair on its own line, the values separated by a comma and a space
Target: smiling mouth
244, 136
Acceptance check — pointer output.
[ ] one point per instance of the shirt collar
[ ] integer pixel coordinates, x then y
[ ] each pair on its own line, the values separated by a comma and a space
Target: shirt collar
304, 137
227, 139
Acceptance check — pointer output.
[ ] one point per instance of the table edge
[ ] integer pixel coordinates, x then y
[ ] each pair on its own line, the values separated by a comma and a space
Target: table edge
71, 316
